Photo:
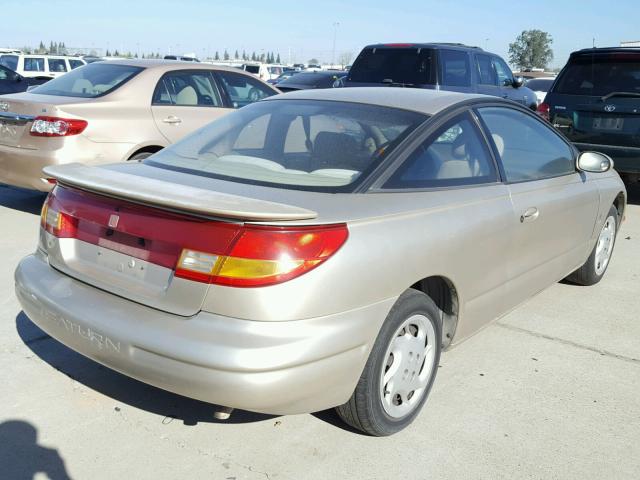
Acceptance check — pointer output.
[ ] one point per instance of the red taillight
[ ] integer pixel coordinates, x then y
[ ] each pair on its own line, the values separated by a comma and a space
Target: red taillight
232, 254
264, 255
57, 127
543, 111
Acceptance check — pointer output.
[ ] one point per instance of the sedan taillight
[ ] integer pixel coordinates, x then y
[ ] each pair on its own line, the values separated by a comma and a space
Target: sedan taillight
57, 127
264, 255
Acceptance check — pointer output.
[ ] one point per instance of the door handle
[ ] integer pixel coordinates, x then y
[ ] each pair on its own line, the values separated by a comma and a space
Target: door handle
172, 119
505, 95
529, 215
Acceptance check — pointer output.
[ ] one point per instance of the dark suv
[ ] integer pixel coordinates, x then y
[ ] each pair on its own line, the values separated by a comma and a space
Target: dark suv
439, 66
595, 102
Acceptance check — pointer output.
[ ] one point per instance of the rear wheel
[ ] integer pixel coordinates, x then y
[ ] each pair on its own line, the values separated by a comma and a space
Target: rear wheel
141, 156
596, 265
400, 370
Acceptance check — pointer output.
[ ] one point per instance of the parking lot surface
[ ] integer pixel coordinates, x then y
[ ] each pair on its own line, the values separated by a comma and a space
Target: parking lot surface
549, 391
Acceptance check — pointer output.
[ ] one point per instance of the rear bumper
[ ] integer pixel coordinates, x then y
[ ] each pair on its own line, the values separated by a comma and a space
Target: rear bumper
626, 159
22, 167
269, 367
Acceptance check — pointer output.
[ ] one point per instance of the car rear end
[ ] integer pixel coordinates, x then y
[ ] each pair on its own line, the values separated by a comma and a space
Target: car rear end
188, 273
64, 120
394, 64
595, 102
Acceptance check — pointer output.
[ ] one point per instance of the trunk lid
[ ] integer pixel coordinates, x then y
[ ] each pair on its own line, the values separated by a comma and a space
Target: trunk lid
127, 237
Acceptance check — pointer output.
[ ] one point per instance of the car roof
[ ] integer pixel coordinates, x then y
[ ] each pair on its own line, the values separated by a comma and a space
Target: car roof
169, 65
416, 99
460, 46
587, 51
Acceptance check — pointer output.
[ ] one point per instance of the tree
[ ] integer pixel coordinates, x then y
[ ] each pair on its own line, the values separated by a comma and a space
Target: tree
313, 61
244, 55
217, 56
532, 49
253, 56
226, 54
278, 58
107, 53
236, 55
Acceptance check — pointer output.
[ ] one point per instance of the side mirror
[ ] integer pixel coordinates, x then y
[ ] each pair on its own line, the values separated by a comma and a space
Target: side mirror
594, 162
517, 82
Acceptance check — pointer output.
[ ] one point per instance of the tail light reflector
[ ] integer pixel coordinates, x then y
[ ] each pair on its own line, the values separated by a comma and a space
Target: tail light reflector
543, 110
57, 127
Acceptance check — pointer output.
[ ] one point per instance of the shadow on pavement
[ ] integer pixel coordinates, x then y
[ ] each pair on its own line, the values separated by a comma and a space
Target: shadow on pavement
28, 201
121, 388
22, 458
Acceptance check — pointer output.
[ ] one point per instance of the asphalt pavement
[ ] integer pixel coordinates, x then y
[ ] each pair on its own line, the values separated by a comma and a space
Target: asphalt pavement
550, 391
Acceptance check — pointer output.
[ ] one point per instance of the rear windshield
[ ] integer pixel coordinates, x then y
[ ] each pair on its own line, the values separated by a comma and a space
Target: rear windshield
310, 78
295, 144
252, 68
398, 65
90, 81
540, 85
9, 61
601, 74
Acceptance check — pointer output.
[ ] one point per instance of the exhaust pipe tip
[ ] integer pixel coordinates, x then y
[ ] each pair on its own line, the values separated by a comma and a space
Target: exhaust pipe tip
222, 413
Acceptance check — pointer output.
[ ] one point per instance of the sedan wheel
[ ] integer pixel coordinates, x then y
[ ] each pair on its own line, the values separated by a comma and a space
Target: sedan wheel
596, 265
407, 371
401, 368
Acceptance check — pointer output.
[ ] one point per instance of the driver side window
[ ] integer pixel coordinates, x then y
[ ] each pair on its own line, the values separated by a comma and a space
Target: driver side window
505, 77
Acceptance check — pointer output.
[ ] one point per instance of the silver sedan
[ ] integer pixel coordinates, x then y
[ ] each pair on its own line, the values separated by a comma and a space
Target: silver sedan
318, 249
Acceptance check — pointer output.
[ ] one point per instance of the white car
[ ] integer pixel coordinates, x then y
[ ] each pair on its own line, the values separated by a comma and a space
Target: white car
39, 66
263, 71
540, 87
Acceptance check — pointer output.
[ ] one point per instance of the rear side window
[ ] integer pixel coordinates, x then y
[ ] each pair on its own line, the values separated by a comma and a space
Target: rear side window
34, 64
243, 89
9, 61
600, 74
414, 66
75, 63
57, 65
454, 68
187, 88
92, 81
486, 71
529, 150
455, 154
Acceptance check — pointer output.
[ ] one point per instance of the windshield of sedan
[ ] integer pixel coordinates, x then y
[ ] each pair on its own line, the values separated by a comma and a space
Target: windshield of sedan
297, 144
90, 81
601, 74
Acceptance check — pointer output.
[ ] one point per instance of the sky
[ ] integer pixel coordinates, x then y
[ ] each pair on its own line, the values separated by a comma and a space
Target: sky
302, 30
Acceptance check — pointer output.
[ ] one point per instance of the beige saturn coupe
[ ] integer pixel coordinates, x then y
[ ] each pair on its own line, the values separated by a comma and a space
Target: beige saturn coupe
114, 111
319, 248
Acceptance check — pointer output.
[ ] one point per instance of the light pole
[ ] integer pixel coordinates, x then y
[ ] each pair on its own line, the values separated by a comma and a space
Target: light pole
335, 34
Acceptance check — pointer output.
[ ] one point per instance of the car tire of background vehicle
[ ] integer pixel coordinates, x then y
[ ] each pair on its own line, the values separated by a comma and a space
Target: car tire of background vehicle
140, 156
596, 265
412, 330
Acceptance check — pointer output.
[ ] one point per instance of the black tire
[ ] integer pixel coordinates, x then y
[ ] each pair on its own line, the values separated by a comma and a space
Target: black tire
140, 156
364, 410
587, 274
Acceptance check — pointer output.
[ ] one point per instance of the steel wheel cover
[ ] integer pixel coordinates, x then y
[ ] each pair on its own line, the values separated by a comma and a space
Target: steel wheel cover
408, 366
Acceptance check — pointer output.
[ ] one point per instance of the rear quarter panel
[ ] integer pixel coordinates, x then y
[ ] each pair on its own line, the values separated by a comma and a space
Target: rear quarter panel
458, 234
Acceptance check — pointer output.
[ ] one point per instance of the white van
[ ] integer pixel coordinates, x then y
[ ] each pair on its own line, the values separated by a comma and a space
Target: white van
40, 66
263, 71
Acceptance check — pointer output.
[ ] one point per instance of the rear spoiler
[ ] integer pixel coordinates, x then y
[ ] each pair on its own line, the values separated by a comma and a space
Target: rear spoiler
174, 196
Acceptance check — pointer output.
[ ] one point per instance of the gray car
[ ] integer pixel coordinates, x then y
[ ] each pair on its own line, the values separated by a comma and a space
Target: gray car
318, 249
